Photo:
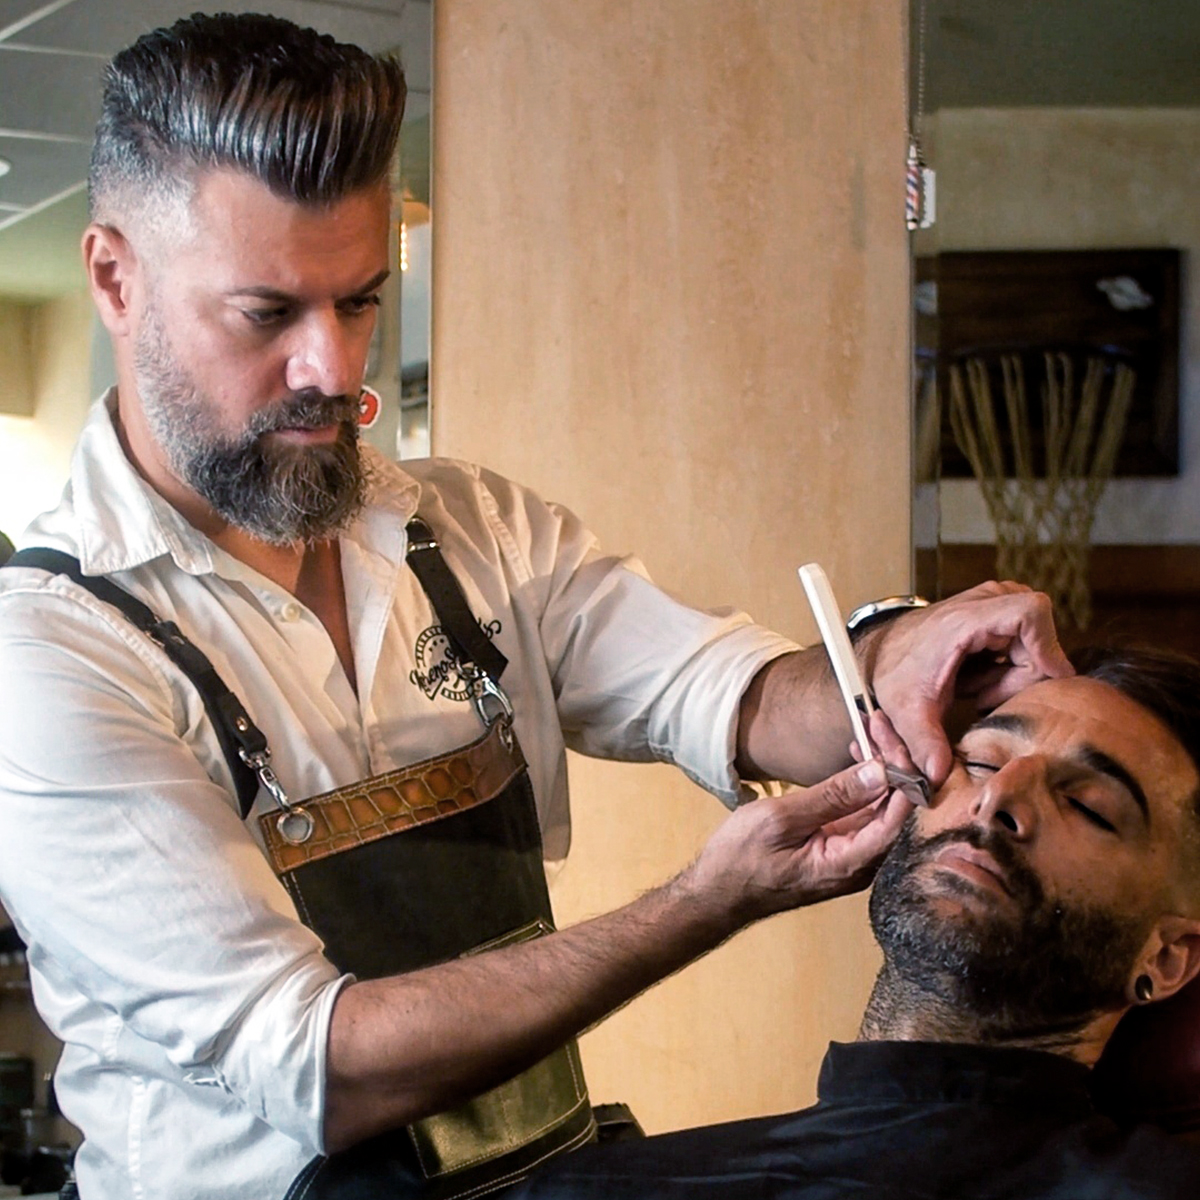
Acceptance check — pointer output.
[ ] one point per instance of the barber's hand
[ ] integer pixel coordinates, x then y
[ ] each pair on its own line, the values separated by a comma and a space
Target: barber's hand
987, 643
781, 852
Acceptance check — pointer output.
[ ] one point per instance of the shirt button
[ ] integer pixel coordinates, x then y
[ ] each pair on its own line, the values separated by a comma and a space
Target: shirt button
290, 611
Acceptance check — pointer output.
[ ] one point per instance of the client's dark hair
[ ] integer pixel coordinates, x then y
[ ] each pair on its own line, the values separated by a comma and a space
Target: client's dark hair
311, 118
1162, 681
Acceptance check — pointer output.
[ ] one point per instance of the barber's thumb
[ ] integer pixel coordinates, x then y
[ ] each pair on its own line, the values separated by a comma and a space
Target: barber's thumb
921, 731
846, 792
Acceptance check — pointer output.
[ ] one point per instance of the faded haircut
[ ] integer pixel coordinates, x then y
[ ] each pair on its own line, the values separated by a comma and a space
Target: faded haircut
1166, 684
311, 118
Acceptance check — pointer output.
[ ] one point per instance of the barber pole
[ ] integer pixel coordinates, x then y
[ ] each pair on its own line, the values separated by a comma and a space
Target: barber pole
914, 179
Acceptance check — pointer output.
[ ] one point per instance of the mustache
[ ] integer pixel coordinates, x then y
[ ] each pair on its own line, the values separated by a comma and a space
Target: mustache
307, 409
1022, 881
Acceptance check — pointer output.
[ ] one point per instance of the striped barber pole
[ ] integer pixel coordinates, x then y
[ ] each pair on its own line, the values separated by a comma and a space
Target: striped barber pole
913, 187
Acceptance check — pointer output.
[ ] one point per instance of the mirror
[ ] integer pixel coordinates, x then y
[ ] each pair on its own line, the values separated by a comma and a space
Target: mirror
54, 355
1066, 143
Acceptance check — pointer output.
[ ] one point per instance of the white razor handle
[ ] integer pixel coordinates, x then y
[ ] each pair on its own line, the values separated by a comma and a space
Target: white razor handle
841, 653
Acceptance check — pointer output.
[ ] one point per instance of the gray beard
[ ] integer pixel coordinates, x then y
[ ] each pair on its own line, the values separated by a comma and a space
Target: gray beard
1039, 976
280, 494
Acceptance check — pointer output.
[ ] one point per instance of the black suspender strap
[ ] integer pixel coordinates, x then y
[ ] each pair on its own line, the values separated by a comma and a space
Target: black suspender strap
446, 595
240, 739
236, 732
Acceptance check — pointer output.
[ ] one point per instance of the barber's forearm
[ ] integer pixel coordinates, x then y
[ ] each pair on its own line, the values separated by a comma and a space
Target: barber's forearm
407, 1046
792, 724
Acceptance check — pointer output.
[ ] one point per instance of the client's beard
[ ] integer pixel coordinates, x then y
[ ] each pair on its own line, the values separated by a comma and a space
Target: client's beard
1041, 972
278, 493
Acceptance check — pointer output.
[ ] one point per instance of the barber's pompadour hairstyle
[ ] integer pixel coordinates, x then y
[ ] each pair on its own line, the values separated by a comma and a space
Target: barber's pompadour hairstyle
1162, 681
311, 118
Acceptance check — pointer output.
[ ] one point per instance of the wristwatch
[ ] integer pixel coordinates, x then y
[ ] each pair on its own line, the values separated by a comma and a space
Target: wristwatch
878, 611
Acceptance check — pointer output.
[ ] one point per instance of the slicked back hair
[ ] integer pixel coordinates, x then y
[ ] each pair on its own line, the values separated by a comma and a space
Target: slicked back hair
311, 118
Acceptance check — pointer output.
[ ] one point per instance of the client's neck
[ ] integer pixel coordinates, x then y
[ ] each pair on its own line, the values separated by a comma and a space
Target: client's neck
901, 1010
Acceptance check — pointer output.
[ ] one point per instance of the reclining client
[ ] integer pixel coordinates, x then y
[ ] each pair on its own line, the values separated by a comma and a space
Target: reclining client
1053, 885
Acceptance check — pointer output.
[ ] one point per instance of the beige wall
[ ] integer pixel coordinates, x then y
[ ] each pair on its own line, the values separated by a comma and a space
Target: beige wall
1081, 179
670, 290
35, 450
16, 359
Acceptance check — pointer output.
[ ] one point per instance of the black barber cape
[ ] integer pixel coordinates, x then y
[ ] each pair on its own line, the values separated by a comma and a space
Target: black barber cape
902, 1121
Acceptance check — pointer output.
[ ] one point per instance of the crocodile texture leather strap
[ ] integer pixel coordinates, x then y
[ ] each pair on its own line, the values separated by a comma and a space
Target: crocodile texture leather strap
403, 799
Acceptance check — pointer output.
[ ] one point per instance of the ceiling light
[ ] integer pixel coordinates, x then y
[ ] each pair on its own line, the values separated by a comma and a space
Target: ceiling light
5, 166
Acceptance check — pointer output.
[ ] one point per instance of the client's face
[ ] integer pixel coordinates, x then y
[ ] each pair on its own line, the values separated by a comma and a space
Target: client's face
1028, 894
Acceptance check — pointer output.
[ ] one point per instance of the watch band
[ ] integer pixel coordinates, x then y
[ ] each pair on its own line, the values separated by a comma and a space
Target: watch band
878, 611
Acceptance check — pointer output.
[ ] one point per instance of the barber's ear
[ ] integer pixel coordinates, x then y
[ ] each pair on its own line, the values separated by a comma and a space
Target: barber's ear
1177, 960
112, 269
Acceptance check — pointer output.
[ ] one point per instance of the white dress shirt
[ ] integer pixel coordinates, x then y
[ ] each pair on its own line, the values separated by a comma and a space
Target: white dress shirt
193, 1004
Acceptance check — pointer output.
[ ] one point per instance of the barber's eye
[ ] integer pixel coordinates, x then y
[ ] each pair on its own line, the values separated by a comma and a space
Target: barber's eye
361, 304
264, 316
1090, 814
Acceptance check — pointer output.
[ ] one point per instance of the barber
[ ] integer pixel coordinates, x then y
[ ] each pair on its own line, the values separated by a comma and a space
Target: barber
282, 726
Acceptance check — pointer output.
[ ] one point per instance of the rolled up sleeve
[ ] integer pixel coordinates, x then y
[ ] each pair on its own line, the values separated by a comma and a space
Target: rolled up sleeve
637, 674
128, 872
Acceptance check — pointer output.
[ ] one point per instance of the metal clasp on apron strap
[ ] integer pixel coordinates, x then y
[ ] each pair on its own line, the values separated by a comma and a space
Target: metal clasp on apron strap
480, 663
490, 702
295, 824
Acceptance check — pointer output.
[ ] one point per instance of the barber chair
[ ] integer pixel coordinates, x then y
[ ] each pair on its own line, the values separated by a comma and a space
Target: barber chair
1150, 1069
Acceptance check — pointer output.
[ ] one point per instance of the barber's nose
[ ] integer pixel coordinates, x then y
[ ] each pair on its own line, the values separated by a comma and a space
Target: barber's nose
1010, 797
326, 355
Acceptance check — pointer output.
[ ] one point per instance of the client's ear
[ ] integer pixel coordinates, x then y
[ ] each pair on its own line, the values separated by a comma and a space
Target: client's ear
1176, 962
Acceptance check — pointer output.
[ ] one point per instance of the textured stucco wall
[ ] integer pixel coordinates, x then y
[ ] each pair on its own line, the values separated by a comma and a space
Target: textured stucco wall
671, 290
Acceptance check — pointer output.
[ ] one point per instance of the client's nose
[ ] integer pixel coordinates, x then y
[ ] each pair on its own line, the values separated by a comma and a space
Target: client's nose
1009, 797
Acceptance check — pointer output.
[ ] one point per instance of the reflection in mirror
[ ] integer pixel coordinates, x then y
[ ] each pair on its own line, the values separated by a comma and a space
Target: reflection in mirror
1057, 426
54, 354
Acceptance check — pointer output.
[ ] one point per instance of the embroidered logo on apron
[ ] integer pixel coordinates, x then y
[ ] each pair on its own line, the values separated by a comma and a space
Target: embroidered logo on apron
439, 670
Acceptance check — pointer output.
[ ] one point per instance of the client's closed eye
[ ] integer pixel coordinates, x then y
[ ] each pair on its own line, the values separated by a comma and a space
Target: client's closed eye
977, 766
1090, 814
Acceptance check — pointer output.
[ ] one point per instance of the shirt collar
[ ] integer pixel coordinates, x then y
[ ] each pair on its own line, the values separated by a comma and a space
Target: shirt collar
941, 1072
121, 522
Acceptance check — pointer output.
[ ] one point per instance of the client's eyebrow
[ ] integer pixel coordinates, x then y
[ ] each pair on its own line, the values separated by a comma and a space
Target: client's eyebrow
1005, 723
1101, 763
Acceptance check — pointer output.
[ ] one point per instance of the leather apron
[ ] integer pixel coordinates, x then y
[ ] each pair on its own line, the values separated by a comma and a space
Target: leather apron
416, 867
405, 870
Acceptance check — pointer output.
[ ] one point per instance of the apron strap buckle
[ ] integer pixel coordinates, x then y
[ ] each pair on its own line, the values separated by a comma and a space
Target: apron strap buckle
488, 698
295, 824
